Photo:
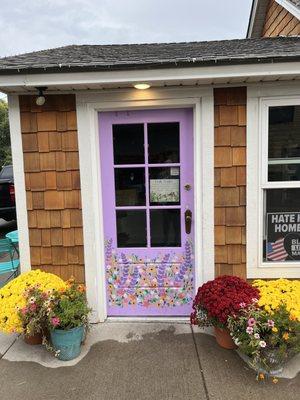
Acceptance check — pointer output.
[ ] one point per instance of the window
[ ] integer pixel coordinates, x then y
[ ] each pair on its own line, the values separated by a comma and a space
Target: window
280, 183
284, 143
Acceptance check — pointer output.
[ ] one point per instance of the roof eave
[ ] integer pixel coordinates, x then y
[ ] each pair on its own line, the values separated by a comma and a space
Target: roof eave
257, 18
204, 75
148, 66
251, 18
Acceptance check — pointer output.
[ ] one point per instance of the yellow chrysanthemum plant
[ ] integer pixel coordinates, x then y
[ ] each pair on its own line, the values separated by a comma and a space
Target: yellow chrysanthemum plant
13, 297
268, 331
280, 292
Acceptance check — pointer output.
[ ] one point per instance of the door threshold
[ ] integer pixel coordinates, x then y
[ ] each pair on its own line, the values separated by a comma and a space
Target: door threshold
155, 319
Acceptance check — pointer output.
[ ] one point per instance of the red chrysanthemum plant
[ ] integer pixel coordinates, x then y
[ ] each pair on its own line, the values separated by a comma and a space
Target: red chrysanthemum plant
220, 298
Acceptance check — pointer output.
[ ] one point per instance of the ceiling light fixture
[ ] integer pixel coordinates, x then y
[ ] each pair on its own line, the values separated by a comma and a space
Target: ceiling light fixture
40, 100
142, 86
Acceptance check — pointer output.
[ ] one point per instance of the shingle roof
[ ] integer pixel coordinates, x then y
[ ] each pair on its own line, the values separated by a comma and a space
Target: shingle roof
156, 55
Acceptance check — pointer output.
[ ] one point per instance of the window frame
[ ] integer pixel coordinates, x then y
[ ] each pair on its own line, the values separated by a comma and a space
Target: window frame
258, 104
266, 104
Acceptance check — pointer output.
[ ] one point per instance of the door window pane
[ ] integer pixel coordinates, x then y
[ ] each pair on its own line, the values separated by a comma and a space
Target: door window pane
164, 186
130, 186
284, 143
131, 228
128, 141
282, 225
163, 142
165, 228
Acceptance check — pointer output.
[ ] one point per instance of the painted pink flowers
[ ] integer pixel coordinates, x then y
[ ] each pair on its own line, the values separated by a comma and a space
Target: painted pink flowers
249, 330
55, 321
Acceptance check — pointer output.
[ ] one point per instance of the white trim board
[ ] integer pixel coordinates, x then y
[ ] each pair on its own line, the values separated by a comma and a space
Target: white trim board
258, 101
88, 107
81, 80
290, 7
19, 181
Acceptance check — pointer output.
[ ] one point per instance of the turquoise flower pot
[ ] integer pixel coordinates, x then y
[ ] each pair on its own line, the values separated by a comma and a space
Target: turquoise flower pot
67, 342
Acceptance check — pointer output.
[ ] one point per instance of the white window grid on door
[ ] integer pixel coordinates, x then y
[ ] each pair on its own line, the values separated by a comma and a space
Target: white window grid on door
264, 183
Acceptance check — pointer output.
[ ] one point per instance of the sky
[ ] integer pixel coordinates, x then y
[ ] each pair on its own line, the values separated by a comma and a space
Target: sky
29, 25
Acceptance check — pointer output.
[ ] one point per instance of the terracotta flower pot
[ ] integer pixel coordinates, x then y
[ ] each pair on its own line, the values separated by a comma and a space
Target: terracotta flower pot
224, 339
34, 339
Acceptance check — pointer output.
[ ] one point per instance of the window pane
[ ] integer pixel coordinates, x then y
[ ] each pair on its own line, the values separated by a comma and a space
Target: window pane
128, 142
130, 186
284, 143
131, 228
165, 228
282, 225
284, 172
163, 140
164, 186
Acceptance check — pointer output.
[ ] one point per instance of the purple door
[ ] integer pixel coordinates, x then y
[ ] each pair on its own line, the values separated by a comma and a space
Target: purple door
148, 198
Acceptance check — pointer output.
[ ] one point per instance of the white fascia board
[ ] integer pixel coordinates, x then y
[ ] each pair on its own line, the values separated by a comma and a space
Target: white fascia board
252, 18
290, 7
65, 80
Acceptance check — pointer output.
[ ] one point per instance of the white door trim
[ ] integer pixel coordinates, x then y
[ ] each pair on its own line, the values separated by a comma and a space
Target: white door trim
88, 107
19, 181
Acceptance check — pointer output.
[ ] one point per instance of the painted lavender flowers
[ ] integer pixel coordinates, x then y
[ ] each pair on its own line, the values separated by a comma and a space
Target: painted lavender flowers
125, 268
161, 270
163, 281
185, 265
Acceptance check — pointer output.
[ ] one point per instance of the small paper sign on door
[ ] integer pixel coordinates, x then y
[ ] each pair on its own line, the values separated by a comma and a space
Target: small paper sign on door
164, 190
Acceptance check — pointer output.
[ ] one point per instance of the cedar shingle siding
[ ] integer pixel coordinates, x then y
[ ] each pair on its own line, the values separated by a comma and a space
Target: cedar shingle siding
230, 181
280, 22
51, 163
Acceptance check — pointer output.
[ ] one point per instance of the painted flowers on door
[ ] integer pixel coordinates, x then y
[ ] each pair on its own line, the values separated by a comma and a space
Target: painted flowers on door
165, 281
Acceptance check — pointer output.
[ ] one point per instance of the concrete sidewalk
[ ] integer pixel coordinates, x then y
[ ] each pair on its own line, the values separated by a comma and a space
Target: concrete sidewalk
137, 361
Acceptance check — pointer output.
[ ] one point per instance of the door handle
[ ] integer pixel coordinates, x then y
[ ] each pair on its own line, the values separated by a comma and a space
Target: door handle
188, 221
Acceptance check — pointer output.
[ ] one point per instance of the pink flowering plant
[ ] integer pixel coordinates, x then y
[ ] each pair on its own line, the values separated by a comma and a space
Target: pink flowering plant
267, 339
33, 315
68, 308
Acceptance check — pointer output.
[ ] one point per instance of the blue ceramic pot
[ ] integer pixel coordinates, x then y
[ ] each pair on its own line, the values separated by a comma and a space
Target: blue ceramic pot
67, 342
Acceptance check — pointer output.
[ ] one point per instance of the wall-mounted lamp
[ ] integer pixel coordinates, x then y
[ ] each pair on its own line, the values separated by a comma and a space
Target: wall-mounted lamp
40, 100
142, 86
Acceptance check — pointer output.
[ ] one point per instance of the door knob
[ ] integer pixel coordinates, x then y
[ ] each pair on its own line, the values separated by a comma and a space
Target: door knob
188, 221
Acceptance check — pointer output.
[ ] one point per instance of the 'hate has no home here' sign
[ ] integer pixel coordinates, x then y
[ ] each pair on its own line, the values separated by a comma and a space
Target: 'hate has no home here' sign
283, 236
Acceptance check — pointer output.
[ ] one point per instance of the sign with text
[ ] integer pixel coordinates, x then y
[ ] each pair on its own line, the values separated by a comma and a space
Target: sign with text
164, 190
283, 236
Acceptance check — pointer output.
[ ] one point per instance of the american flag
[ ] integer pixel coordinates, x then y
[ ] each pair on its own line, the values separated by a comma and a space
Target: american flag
276, 250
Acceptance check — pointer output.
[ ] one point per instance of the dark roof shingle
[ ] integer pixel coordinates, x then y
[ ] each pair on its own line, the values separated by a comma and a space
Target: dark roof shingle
155, 55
